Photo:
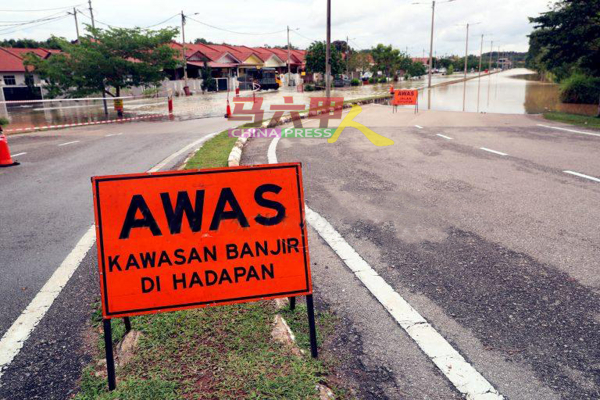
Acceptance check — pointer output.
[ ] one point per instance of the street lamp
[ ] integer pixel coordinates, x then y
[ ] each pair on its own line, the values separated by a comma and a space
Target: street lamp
466, 60
431, 39
328, 55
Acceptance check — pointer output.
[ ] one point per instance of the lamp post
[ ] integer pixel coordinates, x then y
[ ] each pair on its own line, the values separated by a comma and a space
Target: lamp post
328, 54
466, 63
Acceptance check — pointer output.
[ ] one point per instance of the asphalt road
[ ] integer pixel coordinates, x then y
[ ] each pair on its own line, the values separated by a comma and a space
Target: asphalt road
46, 207
471, 219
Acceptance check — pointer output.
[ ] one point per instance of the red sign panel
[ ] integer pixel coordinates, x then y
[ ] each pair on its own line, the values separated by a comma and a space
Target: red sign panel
187, 239
405, 97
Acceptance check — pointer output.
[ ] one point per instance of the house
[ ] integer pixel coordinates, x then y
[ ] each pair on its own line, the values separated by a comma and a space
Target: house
16, 81
504, 63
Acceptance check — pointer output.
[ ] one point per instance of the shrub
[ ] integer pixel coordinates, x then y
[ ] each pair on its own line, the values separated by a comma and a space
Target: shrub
383, 79
309, 88
354, 82
372, 80
579, 88
3, 121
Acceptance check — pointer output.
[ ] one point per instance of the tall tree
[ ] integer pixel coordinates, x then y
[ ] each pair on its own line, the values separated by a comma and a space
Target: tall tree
566, 39
389, 60
315, 59
109, 60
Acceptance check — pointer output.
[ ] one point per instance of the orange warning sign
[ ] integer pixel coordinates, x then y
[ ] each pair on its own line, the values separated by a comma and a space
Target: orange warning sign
405, 97
187, 239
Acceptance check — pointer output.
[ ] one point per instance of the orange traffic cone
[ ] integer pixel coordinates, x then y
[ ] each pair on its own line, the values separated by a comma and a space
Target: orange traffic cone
391, 89
228, 110
5, 158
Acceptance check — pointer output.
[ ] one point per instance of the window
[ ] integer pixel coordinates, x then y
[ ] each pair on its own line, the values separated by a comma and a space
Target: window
10, 80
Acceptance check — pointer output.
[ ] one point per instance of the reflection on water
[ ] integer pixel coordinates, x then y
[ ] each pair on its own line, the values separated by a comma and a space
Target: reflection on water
517, 91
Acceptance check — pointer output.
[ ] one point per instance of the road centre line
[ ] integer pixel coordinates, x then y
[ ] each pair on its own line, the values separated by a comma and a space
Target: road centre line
465, 378
493, 151
15, 337
569, 130
444, 136
419, 126
74, 141
582, 176
19, 154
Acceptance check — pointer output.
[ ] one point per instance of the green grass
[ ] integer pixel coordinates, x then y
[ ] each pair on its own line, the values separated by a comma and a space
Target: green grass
218, 352
574, 119
213, 154
224, 352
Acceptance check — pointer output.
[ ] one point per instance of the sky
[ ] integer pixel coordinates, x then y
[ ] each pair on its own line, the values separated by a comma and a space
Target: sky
258, 22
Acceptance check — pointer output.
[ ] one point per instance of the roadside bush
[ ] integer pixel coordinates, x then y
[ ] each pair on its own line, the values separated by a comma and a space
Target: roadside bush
579, 88
3, 121
373, 80
309, 88
354, 82
450, 70
383, 79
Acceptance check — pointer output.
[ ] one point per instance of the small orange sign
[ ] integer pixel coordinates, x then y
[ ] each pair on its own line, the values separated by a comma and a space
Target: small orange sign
405, 97
188, 239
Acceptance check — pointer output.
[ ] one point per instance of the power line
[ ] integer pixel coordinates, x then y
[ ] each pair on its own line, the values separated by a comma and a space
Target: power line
299, 34
6, 32
43, 9
160, 23
33, 21
238, 33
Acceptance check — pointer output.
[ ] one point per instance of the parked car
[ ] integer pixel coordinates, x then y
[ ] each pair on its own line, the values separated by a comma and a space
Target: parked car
341, 81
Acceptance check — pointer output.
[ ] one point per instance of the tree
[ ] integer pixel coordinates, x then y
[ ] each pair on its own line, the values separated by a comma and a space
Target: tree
389, 60
208, 82
359, 62
116, 58
51, 43
566, 39
416, 69
315, 59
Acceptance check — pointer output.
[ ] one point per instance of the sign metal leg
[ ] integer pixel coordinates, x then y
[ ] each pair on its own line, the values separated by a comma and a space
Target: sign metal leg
110, 359
311, 326
127, 322
292, 303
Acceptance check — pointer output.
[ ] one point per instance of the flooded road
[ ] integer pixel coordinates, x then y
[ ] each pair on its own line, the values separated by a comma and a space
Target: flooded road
510, 92
516, 91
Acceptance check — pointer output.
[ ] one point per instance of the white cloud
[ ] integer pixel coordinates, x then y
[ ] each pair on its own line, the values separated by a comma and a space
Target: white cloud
398, 22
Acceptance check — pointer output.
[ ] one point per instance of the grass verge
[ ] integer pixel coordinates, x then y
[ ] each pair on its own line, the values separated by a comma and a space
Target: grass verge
574, 119
222, 352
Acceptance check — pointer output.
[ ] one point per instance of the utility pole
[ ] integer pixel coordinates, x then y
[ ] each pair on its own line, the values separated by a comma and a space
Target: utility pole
490, 73
289, 78
479, 75
185, 74
76, 24
347, 55
103, 87
328, 54
465, 81
431, 44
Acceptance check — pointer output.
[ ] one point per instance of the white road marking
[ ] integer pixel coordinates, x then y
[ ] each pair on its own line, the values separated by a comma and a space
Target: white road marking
444, 136
582, 176
19, 154
14, 339
463, 375
419, 126
569, 130
114, 134
74, 141
493, 151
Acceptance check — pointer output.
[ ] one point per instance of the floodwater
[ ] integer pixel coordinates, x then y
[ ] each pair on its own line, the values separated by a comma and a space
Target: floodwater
515, 91
510, 92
